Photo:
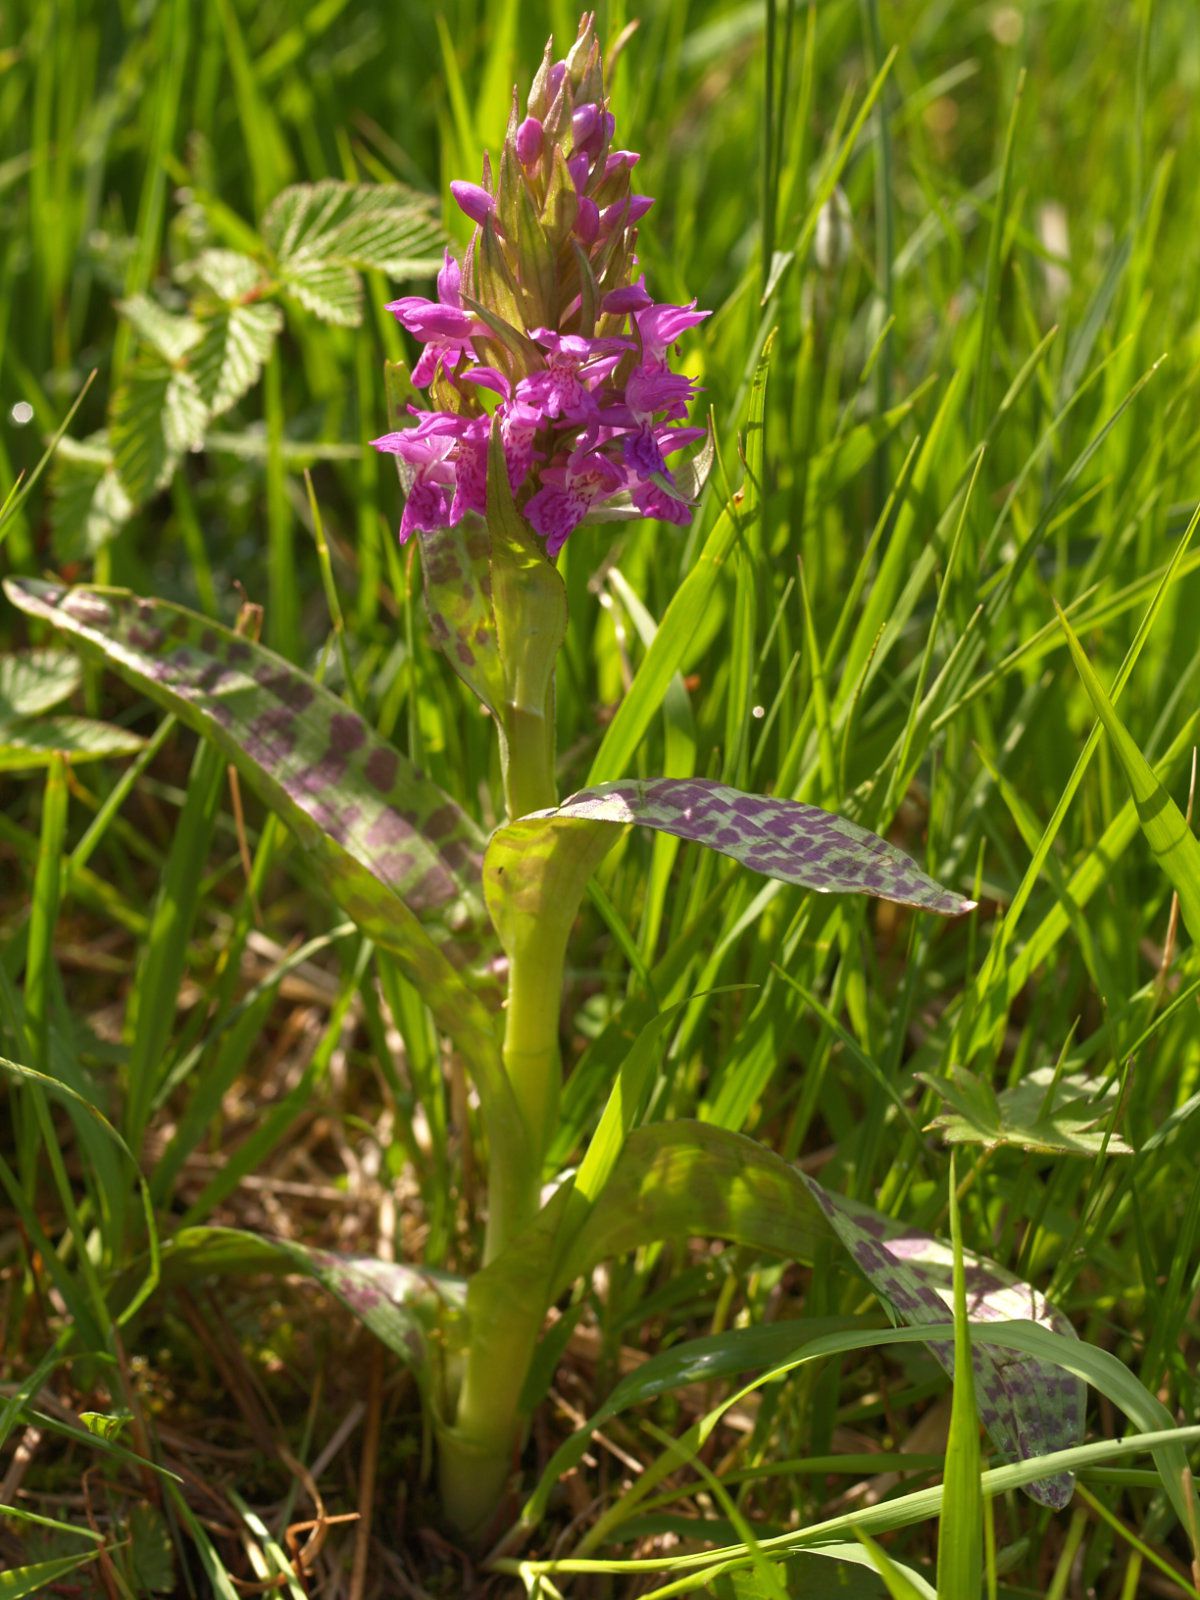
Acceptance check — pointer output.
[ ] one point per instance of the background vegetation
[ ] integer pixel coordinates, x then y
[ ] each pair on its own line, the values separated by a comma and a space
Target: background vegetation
1018, 263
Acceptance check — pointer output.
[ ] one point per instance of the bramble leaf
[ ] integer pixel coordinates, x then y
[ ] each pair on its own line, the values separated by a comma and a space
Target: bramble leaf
229, 274
232, 351
157, 414
30, 742
1070, 1116
323, 234
167, 332
31, 681
88, 503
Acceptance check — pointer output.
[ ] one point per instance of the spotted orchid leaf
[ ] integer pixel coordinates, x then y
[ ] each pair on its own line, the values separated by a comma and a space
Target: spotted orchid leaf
1028, 1406
397, 854
801, 844
345, 791
406, 1308
681, 1179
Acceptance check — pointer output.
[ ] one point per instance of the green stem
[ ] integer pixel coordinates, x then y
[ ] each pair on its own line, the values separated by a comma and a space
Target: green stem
527, 758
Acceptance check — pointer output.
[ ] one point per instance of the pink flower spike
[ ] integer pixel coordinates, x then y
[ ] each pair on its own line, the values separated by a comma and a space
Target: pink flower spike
529, 142
473, 201
568, 492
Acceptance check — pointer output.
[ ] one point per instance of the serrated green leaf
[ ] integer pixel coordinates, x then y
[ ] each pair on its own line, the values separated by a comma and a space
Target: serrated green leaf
28, 743
1162, 822
232, 352
31, 681
227, 273
167, 332
157, 414
331, 290
388, 227
1069, 1116
88, 504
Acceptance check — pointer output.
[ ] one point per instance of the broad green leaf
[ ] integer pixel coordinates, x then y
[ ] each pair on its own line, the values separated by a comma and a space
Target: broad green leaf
231, 353
1029, 1409
402, 1306
1064, 1115
782, 839
157, 414
88, 504
31, 681
1161, 820
20, 1581
152, 1552
30, 742
171, 335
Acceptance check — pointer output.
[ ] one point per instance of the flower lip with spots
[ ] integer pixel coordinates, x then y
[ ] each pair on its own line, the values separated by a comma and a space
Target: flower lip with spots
547, 325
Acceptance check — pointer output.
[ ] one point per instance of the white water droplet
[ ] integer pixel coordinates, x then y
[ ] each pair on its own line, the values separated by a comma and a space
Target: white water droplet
22, 413
758, 711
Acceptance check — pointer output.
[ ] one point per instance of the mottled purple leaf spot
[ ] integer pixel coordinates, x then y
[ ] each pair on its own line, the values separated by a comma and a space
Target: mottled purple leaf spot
782, 839
1029, 1407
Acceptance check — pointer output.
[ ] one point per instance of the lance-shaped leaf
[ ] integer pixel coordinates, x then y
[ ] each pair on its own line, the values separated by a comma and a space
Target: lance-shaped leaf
407, 1308
782, 839
1028, 1406
88, 504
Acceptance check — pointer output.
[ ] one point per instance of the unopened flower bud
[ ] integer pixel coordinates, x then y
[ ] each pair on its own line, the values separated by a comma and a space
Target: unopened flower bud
584, 122
587, 219
529, 142
473, 201
579, 166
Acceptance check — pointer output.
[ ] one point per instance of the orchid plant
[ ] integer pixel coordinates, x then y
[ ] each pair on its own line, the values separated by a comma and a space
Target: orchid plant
550, 403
